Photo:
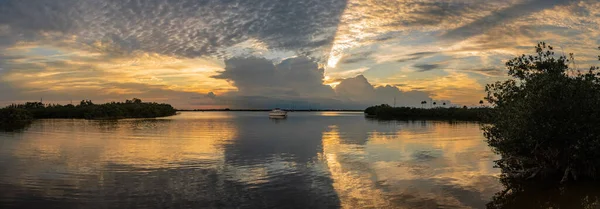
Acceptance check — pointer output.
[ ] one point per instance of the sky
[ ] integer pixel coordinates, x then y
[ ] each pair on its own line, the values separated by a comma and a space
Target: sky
343, 54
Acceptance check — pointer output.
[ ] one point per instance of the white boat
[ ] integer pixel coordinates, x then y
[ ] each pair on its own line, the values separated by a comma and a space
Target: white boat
277, 113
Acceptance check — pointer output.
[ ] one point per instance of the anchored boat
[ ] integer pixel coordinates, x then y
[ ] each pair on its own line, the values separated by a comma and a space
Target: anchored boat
277, 113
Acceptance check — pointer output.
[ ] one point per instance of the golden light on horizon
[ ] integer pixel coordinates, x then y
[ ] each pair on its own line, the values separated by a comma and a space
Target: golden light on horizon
56, 69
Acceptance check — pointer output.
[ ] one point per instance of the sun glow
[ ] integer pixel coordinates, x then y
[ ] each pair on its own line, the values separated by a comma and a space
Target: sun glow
60, 69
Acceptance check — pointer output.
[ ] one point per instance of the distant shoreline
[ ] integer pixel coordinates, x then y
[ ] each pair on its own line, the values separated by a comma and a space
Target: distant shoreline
386, 112
266, 110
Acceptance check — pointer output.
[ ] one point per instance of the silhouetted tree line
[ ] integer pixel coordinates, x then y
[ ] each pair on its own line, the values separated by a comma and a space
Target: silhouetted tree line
16, 114
385, 111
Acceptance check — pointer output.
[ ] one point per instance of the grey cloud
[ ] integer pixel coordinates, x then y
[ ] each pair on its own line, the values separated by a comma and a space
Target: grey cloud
292, 77
416, 56
408, 59
418, 88
266, 102
384, 37
211, 95
182, 28
426, 67
299, 82
355, 88
360, 91
422, 54
433, 13
357, 57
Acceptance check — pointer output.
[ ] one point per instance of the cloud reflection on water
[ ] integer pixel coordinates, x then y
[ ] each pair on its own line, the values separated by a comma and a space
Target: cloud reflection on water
412, 165
242, 159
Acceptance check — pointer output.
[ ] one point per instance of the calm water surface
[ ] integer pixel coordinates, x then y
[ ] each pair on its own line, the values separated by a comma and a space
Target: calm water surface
246, 160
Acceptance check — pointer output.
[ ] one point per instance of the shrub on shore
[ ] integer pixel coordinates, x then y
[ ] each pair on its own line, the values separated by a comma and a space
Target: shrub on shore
19, 115
14, 118
546, 118
88, 110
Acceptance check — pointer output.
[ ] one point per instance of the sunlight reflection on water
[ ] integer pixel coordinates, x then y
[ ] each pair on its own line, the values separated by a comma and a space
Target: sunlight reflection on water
244, 159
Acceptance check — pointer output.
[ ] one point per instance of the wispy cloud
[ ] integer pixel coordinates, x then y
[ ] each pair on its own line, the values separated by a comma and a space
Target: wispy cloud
189, 48
426, 67
178, 28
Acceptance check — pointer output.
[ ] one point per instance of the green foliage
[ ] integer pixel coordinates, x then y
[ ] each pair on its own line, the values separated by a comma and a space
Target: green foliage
385, 111
13, 119
545, 119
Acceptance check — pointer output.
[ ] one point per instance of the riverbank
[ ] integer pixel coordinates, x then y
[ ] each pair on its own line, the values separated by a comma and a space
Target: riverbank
17, 116
387, 112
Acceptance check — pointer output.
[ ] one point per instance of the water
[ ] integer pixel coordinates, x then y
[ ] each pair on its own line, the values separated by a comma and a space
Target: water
246, 160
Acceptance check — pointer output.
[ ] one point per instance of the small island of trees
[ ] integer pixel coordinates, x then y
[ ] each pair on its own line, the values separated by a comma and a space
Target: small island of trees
386, 112
16, 116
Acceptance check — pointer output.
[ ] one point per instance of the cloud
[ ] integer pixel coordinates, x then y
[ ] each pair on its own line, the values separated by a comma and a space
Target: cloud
416, 56
338, 76
359, 90
181, 47
422, 54
211, 95
482, 25
357, 57
298, 82
292, 77
186, 28
426, 67
494, 72
78, 74
458, 87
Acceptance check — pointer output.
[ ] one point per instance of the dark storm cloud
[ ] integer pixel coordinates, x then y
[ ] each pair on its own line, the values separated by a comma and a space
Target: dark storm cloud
500, 17
189, 28
426, 67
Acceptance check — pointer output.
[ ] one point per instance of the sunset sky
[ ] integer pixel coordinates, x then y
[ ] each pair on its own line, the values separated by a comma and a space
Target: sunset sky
278, 53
